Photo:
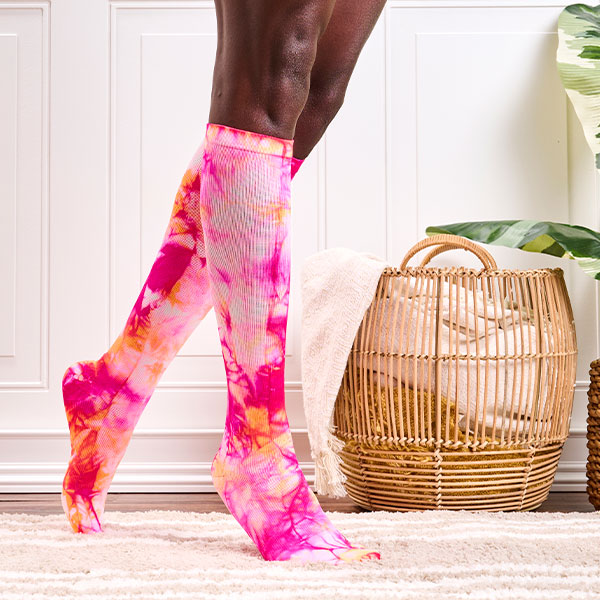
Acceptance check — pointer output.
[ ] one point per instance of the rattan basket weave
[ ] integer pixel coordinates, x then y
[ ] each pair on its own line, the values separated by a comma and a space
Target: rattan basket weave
593, 436
459, 386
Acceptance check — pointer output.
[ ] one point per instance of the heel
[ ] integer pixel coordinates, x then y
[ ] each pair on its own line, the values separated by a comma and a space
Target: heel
88, 387
217, 473
216, 467
77, 382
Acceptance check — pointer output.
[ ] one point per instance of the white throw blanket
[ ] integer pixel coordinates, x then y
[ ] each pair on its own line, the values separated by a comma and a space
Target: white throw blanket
338, 286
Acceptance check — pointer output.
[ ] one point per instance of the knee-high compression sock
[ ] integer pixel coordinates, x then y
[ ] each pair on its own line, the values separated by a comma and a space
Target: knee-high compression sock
245, 211
104, 398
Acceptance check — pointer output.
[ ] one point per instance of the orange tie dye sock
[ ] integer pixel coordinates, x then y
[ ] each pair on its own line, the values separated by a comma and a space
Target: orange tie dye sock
245, 210
105, 398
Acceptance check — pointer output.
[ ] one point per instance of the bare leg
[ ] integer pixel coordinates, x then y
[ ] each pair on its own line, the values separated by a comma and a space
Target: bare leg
265, 53
349, 27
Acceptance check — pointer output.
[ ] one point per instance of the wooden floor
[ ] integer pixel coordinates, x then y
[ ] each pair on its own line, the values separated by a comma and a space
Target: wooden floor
46, 504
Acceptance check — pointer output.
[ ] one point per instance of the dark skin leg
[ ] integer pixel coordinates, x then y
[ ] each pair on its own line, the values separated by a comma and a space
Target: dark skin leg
265, 52
339, 28
349, 27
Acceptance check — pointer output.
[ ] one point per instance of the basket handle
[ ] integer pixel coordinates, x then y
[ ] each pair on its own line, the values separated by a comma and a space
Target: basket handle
446, 242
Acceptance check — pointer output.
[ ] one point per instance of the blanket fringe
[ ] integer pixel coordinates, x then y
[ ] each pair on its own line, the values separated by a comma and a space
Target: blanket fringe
328, 474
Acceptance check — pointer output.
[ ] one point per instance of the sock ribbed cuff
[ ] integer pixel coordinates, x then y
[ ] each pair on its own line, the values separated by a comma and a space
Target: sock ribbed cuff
296, 162
224, 135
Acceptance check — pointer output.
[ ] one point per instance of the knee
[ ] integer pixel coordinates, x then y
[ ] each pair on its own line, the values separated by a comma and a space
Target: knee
262, 75
326, 96
285, 82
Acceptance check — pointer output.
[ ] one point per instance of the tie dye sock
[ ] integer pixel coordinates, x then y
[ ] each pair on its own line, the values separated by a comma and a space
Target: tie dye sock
104, 398
245, 211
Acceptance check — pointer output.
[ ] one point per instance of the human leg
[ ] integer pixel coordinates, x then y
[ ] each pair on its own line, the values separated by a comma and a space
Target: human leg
245, 211
338, 49
104, 398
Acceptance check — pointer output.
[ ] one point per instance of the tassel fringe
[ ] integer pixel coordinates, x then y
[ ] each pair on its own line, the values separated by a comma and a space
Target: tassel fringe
328, 474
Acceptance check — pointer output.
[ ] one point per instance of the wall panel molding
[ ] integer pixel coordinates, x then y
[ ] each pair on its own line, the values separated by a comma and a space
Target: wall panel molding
24, 150
8, 192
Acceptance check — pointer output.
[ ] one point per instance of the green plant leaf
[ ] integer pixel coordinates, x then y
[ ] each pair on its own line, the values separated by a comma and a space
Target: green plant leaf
578, 63
546, 237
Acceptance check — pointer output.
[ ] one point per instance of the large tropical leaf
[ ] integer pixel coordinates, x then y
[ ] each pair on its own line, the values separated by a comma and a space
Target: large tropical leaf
557, 239
578, 62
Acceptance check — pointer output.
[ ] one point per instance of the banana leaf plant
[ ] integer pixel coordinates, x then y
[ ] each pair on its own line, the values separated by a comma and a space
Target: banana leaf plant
557, 239
578, 63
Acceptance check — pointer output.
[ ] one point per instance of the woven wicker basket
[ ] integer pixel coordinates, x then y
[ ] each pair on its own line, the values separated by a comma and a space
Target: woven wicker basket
442, 409
593, 436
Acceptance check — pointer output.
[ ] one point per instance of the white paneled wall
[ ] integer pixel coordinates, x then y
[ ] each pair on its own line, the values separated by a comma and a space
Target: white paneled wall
455, 112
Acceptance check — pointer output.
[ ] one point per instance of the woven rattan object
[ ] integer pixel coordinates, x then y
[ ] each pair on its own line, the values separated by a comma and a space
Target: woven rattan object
459, 386
593, 436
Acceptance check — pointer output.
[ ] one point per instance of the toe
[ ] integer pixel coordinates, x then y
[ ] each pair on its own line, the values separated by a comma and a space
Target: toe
359, 554
81, 514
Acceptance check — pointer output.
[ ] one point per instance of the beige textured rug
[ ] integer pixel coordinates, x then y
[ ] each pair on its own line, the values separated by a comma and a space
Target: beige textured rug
425, 555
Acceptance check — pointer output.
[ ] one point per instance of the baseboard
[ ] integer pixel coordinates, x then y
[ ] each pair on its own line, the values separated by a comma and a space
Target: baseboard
182, 477
156, 461
570, 477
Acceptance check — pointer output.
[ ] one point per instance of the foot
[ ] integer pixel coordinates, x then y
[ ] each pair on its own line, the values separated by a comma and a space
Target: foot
268, 495
101, 414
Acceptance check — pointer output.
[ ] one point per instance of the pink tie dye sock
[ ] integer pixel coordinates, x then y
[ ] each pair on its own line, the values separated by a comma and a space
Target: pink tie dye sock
245, 211
104, 398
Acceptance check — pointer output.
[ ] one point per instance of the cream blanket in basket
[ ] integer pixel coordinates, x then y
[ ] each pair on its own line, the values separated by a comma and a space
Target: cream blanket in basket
337, 287
509, 383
